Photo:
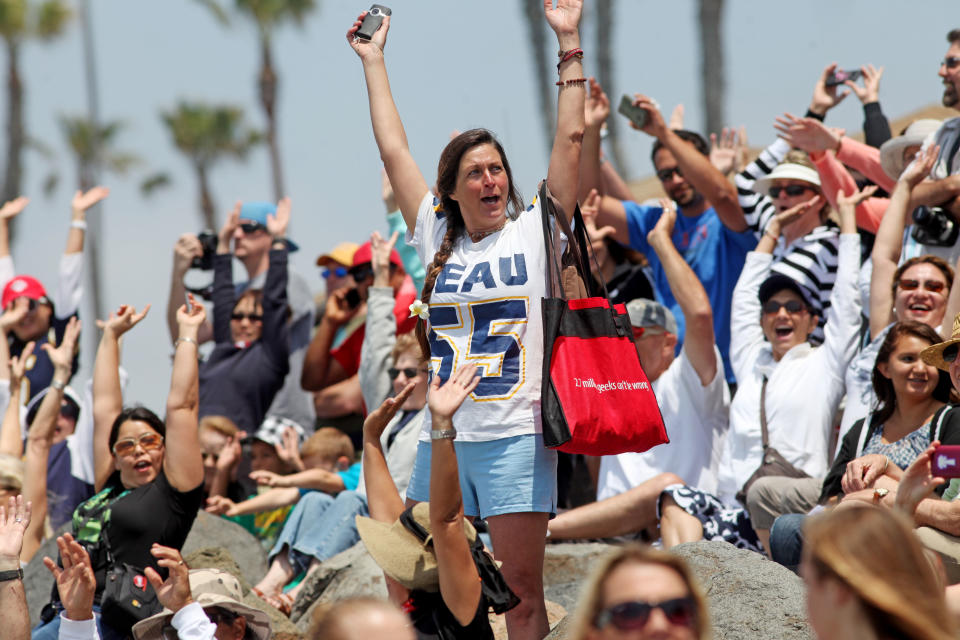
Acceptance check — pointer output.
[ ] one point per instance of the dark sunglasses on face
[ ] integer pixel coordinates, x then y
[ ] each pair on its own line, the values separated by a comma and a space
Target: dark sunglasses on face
665, 174
251, 227
361, 273
950, 63
252, 317
629, 616
950, 353
933, 286
149, 442
791, 190
409, 372
340, 272
792, 306
69, 409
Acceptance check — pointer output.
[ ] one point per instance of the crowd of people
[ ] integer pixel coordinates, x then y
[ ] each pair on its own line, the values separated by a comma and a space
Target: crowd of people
797, 315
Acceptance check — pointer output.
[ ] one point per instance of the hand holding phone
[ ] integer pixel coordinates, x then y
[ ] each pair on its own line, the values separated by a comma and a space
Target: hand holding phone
637, 115
372, 21
840, 76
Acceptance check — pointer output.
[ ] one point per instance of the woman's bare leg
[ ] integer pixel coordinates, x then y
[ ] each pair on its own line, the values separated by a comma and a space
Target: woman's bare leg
519, 540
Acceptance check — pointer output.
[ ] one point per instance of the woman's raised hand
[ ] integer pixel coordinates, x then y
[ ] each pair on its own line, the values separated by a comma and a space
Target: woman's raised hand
18, 365
920, 168
565, 18
445, 400
918, 481
597, 105
375, 45
847, 205
124, 319
12, 208
62, 356
378, 419
190, 318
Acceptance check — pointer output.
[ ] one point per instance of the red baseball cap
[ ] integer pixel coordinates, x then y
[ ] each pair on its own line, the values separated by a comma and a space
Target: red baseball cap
365, 254
23, 287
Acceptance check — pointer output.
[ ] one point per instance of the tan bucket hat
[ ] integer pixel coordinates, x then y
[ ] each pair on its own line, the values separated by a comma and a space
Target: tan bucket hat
401, 554
933, 355
210, 588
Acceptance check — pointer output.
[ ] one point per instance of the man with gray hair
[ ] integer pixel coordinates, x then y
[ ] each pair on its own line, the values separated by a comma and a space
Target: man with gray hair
693, 398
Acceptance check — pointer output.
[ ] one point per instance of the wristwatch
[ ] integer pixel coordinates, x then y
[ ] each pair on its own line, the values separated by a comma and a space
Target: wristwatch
443, 434
13, 574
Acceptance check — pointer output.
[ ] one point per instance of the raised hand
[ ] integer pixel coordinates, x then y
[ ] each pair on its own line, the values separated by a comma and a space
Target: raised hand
191, 319
676, 117
231, 452
663, 230
565, 18
14, 313
75, 582
62, 356
12, 208
596, 107
920, 168
185, 250
229, 227
380, 251
386, 192
917, 482
278, 222
825, 98
784, 219
13, 522
174, 592
725, 150
124, 319
655, 125
18, 365
808, 134
446, 399
83, 201
289, 449
372, 48
870, 91
847, 205
378, 419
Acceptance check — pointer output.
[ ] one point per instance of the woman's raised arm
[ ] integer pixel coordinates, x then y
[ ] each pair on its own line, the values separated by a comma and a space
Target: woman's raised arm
564, 173
409, 184
183, 463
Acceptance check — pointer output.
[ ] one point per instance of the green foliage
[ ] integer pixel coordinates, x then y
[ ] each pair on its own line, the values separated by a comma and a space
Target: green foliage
94, 145
153, 182
267, 14
205, 133
20, 19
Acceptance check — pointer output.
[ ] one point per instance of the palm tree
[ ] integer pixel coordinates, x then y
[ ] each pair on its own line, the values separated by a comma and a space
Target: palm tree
267, 15
21, 20
206, 134
537, 35
711, 63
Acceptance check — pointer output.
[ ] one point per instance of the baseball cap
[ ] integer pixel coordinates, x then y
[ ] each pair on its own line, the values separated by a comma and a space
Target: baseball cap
341, 254
23, 287
778, 282
650, 313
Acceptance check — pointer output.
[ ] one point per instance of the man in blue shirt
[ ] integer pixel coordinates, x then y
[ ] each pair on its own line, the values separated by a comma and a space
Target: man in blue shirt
711, 232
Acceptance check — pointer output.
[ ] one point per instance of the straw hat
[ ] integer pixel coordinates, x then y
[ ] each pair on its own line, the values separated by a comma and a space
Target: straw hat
891, 152
401, 554
933, 355
210, 588
787, 171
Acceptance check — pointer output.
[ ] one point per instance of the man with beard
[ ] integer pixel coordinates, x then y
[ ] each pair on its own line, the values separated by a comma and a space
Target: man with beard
710, 233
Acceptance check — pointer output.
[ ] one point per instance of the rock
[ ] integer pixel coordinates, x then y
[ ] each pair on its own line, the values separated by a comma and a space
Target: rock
349, 573
38, 581
560, 631
242, 546
749, 596
566, 566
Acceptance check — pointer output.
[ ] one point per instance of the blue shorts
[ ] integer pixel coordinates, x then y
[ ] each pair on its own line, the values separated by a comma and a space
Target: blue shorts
509, 475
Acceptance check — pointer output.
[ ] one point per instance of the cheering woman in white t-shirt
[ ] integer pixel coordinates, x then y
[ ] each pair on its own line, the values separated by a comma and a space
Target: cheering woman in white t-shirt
485, 280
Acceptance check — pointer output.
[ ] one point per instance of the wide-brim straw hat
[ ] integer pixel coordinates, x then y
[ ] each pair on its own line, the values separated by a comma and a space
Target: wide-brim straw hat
933, 355
787, 171
401, 554
210, 588
891, 151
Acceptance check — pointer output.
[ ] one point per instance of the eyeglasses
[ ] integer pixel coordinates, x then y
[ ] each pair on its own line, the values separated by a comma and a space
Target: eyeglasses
950, 63
665, 174
629, 616
949, 354
410, 372
361, 273
340, 272
792, 306
148, 441
933, 286
252, 317
791, 190
251, 227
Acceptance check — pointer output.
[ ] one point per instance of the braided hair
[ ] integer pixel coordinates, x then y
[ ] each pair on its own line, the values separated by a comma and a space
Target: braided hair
447, 172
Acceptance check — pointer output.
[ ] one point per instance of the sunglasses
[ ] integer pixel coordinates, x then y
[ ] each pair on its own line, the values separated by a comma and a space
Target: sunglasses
792, 190
69, 409
950, 63
148, 441
792, 306
251, 227
665, 174
340, 272
409, 372
933, 286
361, 273
252, 317
629, 616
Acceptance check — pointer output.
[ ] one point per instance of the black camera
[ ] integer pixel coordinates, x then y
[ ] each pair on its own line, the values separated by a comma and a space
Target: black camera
934, 226
208, 240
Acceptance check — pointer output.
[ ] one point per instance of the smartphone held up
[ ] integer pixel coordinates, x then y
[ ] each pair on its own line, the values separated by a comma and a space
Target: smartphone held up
637, 115
840, 76
372, 21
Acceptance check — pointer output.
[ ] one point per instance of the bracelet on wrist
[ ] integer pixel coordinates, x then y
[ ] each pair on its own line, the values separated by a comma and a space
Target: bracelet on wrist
13, 574
57, 385
179, 341
78, 224
443, 434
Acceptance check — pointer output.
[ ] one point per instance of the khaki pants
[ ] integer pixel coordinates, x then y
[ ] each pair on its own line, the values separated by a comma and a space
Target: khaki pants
772, 496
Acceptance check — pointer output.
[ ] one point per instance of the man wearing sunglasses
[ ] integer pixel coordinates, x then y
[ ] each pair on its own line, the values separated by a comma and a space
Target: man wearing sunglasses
711, 232
251, 246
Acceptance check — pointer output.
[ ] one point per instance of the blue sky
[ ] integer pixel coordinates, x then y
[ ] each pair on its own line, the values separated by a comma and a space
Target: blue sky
453, 65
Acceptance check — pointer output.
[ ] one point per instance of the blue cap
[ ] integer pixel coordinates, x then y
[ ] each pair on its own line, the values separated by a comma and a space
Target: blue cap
258, 212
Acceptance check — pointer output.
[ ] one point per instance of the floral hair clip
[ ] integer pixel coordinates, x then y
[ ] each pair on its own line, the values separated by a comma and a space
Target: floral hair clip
421, 309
